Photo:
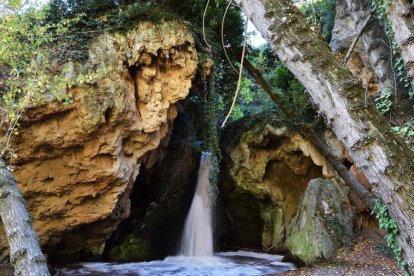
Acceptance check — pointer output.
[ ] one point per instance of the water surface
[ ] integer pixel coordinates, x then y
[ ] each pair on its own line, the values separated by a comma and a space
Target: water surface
240, 263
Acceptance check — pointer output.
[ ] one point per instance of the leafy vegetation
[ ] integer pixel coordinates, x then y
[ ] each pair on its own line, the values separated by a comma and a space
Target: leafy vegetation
380, 8
406, 131
390, 226
321, 16
383, 103
32, 69
40, 53
25, 77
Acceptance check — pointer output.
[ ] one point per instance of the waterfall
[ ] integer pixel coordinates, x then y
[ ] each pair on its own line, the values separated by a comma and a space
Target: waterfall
197, 239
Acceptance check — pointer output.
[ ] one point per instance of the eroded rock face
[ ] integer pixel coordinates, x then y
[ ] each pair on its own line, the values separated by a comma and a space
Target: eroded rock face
323, 222
269, 170
76, 164
343, 34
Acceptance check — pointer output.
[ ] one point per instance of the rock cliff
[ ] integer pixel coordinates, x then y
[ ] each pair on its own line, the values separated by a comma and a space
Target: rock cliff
269, 169
76, 163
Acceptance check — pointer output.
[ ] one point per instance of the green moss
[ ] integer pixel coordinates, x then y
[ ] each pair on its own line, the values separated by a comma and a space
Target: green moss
323, 222
131, 249
273, 227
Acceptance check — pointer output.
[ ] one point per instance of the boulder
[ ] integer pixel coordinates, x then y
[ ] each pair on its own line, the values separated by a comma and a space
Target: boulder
323, 223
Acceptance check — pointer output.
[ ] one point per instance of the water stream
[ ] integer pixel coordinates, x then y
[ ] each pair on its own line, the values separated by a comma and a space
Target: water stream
197, 239
195, 257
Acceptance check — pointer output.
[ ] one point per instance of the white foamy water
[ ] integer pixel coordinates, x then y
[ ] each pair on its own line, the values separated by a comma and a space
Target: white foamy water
239, 263
197, 239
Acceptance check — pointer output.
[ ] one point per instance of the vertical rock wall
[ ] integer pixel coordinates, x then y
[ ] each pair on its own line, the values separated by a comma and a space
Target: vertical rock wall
270, 167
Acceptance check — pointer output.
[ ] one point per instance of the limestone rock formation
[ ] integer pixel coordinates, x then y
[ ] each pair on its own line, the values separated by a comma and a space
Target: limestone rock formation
269, 170
323, 222
76, 164
343, 34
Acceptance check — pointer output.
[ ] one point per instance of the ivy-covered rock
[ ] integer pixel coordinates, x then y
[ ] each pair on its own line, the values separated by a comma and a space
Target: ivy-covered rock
323, 223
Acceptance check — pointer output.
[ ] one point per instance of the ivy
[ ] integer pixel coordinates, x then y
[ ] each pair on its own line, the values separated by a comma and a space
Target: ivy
210, 135
25, 76
380, 8
383, 103
406, 131
390, 226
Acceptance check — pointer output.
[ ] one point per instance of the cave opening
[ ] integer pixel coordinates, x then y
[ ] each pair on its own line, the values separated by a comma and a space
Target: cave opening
160, 199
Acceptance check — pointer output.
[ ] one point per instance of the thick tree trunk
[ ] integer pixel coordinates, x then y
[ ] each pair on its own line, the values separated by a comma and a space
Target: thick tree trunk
401, 15
375, 43
384, 159
25, 253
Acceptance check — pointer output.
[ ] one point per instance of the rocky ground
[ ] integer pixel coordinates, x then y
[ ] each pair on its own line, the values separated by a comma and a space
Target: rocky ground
368, 256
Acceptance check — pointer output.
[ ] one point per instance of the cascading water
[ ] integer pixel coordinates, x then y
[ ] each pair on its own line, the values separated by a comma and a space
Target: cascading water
196, 252
197, 239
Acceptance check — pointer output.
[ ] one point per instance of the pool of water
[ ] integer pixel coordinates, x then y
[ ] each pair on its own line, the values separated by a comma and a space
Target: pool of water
240, 263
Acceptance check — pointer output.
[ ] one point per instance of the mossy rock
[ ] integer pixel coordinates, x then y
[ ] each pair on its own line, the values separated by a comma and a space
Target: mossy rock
323, 223
131, 249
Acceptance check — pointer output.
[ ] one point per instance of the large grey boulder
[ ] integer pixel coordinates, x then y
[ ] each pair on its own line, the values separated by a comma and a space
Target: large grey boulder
323, 223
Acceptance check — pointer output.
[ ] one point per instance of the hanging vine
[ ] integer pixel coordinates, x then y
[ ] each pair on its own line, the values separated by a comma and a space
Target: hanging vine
210, 136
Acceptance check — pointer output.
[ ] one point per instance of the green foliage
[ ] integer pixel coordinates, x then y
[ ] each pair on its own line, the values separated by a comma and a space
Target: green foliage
31, 73
292, 94
388, 224
96, 17
25, 77
321, 15
380, 8
406, 131
252, 99
383, 103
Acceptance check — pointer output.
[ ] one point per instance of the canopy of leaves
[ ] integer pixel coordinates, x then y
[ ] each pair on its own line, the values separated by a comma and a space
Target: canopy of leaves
25, 65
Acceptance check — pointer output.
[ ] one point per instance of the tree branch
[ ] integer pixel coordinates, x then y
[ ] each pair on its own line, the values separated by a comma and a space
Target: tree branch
354, 42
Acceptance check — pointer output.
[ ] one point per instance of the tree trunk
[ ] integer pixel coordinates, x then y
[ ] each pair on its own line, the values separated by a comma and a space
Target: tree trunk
25, 253
401, 17
375, 43
385, 160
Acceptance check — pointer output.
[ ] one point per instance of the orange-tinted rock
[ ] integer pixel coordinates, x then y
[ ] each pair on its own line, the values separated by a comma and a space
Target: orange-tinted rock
76, 164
